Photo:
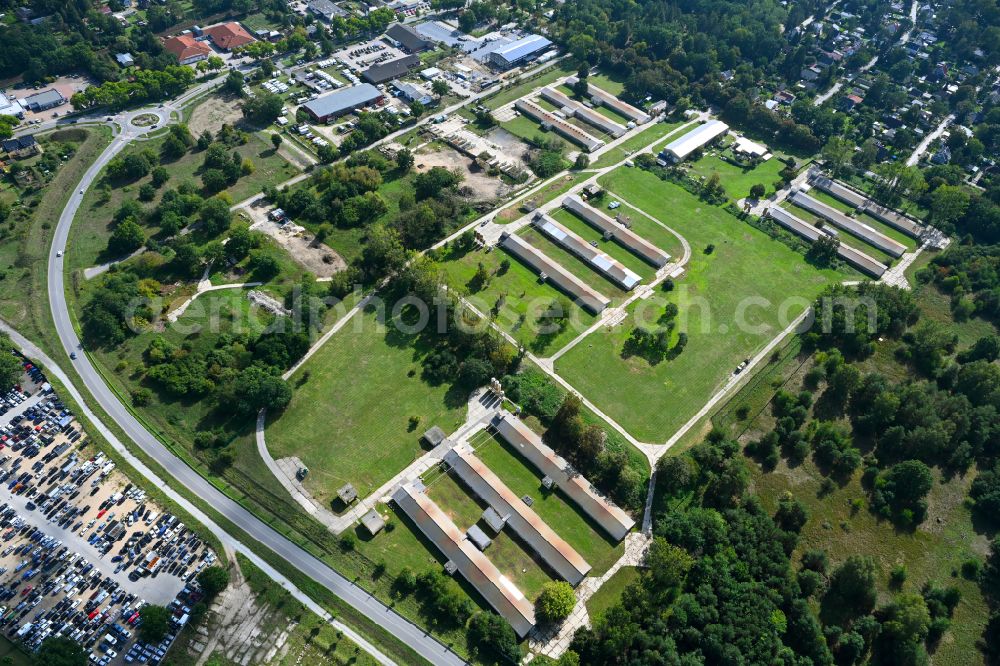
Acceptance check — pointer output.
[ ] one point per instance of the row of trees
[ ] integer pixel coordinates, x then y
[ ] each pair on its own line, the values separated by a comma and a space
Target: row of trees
144, 86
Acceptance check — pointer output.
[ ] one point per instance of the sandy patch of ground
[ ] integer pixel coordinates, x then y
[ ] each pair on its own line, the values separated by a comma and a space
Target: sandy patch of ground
320, 260
483, 186
240, 629
213, 113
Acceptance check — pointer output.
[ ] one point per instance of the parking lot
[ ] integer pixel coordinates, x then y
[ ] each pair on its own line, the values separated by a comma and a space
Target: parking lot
360, 57
81, 549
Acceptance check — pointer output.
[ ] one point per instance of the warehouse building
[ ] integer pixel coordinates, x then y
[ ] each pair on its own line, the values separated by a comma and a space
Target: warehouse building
571, 107
342, 101
554, 272
519, 51
408, 38
557, 124
679, 149
505, 598
512, 511
848, 224
43, 101
800, 227
601, 510
851, 196
599, 261
621, 234
10, 107
603, 97
393, 69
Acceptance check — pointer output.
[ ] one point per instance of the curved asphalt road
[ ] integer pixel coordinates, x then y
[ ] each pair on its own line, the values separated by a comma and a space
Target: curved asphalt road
410, 634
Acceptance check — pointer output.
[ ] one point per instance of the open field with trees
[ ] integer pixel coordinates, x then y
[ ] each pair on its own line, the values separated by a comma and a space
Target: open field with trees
359, 408
652, 399
524, 301
946, 544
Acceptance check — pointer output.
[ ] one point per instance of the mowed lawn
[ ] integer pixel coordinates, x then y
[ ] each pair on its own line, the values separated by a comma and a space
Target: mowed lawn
731, 303
349, 418
736, 180
524, 297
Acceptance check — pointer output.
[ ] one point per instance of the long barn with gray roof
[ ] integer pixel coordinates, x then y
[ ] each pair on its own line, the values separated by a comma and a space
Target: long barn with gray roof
505, 598
800, 227
622, 234
572, 107
848, 224
555, 273
568, 130
599, 261
529, 527
851, 196
601, 510
599, 96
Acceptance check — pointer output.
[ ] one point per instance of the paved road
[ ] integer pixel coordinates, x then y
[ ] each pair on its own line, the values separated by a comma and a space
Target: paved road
407, 632
929, 139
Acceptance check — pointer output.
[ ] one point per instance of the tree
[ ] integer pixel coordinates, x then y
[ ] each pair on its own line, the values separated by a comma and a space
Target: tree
852, 585
263, 265
60, 651
555, 602
234, 82
214, 180
276, 140
430, 183
493, 636
159, 176
901, 490
404, 160
155, 623
440, 87
948, 203
214, 216
213, 580
837, 153
823, 251
758, 191
263, 109
127, 237
10, 365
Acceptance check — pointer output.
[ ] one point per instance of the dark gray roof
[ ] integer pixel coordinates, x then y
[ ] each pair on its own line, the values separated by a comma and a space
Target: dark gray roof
390, 70
345, 99
408, 37
326, 8
19, 143
44, 98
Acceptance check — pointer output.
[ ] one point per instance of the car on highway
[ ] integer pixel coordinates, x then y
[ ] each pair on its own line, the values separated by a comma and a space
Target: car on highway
72, 355
59, 253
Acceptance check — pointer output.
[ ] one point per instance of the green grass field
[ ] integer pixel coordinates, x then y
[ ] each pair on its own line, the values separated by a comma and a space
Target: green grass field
573, 264
717, 290
524, 297
349, 417
844, 237
640, 224
24, 247
738, 181
610, 593
527, 129
520, 90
